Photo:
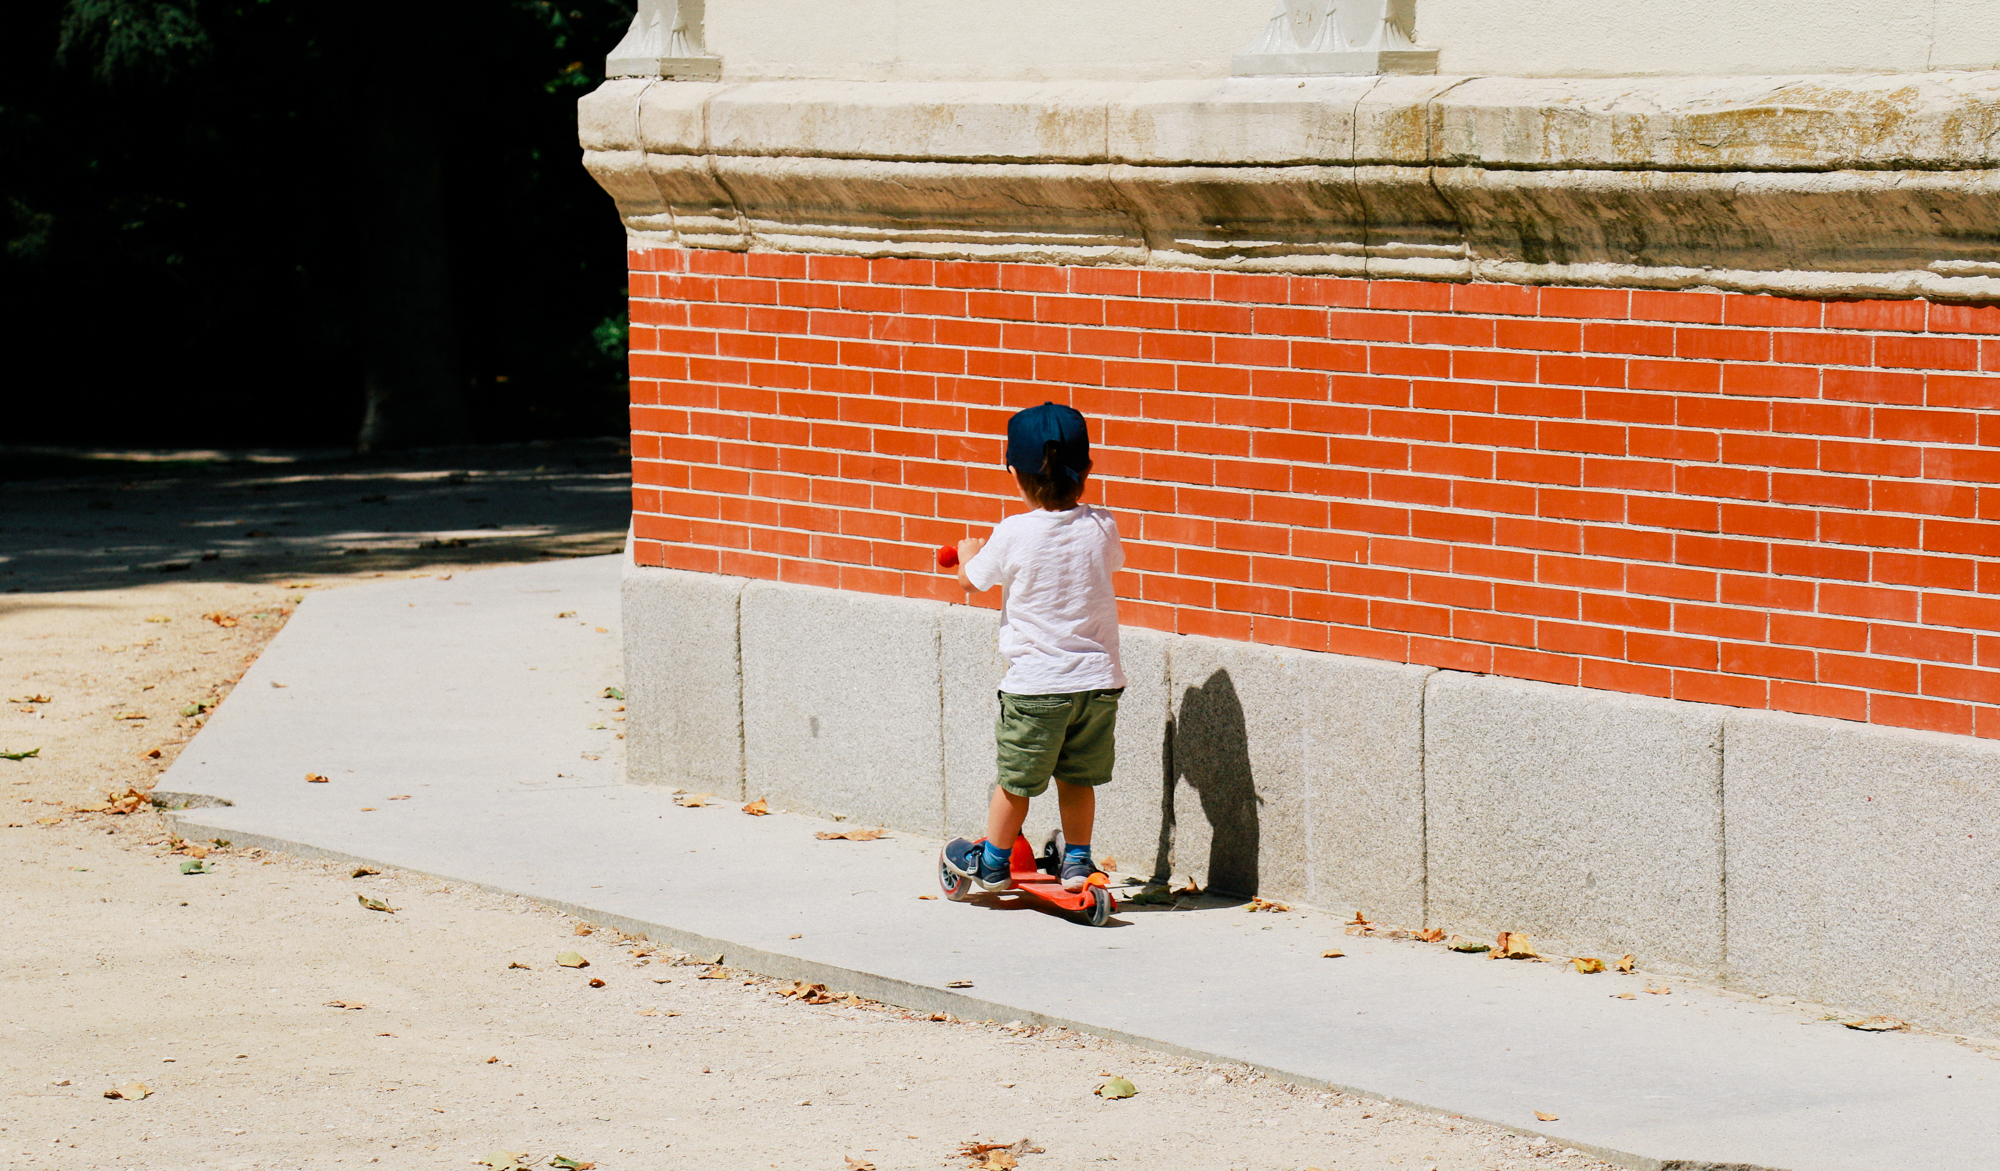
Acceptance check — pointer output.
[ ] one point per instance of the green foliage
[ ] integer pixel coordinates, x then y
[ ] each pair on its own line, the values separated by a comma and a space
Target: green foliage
611, 336
183, 185
124, 39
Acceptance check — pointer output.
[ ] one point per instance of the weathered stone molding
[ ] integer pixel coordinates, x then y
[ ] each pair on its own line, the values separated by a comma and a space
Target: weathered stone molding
1825, 186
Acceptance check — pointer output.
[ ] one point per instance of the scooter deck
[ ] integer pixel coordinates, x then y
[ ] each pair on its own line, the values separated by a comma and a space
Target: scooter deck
1031, 880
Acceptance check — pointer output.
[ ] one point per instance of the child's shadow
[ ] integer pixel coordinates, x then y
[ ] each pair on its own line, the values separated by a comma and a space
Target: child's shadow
1208, 746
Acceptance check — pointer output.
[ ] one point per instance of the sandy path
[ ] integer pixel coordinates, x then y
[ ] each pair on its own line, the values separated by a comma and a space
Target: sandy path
211, 989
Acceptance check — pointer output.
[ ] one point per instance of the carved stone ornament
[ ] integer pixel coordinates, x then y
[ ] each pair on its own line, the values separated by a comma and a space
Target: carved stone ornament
665, 40
1335, 36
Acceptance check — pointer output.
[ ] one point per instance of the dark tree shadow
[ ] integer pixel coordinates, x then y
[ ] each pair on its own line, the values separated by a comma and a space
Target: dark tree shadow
1209, 749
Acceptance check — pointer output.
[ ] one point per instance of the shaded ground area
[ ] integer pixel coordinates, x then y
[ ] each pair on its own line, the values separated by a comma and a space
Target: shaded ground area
77, 520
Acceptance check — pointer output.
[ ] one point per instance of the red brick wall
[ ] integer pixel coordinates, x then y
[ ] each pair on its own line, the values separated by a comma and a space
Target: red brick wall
1735, 499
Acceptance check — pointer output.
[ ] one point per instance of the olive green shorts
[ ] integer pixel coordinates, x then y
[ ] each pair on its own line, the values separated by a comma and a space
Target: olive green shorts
1072, 738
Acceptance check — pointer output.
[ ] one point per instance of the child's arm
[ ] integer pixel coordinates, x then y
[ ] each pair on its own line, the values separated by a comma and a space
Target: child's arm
967, 550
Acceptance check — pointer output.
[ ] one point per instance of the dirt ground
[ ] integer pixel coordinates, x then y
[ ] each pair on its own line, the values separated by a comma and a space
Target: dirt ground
213, 989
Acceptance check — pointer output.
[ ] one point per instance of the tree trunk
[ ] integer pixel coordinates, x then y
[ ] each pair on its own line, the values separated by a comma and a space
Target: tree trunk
402, 272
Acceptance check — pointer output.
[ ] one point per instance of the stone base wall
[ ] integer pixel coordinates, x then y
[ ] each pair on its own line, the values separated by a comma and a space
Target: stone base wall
1791, 854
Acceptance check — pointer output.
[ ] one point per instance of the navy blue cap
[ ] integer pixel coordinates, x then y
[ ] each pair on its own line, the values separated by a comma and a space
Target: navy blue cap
1052, 435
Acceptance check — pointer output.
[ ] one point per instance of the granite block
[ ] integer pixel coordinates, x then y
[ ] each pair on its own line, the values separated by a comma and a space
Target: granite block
1590, 820
1299, 776
683, 680
841, 704
1862, 867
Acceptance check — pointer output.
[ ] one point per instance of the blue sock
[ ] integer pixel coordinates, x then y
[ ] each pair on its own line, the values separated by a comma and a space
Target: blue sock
994, 858
1076, 853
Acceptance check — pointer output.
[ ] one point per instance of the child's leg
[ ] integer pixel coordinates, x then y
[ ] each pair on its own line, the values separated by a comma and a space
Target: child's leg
1090, 746
1079, 812
1004, 817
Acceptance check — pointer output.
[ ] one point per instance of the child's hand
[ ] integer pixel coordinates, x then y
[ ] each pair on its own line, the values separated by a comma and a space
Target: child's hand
967, 550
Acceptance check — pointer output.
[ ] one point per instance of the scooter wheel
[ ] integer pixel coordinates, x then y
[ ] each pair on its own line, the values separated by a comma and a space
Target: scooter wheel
1099, 911
957, 887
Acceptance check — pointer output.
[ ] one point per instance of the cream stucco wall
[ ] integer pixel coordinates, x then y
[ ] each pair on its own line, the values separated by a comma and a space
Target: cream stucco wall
1614, 37
926, 40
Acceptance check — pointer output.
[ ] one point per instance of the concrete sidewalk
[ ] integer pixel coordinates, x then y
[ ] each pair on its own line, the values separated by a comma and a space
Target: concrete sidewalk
473, 698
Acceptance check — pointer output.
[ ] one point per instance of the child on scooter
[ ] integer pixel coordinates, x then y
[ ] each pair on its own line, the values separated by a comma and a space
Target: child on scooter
1059, 634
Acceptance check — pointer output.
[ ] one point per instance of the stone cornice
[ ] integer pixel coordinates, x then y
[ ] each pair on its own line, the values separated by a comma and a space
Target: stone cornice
1826, 186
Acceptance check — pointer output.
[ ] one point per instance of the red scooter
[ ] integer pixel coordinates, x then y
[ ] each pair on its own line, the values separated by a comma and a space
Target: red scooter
1038, 880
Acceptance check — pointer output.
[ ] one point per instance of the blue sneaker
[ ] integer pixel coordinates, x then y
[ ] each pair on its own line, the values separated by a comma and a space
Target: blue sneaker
1076, 870
969, 860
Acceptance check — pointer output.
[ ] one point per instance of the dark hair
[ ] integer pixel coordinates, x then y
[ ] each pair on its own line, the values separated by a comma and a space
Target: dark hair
1055, 489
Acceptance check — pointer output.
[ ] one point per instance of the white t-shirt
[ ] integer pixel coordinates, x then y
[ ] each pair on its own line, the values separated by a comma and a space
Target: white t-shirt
1058, 616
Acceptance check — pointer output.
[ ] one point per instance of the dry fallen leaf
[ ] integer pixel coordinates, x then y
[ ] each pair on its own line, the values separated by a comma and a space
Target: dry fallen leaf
1428, 935
221, 619
48, 821
1117, 1087
581, 929
805, 993
315, 779
1662, 990
506, 1161
1623, 996
1461, 943
958, 983
715, 974
1626, 963
852, 835
363, 872
1513, 945
920, 897
757, 808
1332, 954
854, 1164
130, 1092
565, 1163
1547, 1117
596, 983
997, 1156
375, 904
1260, 903
400, 797
1588, 965
694, 800
570, 959
347, 1004
520, 965
1877, 1024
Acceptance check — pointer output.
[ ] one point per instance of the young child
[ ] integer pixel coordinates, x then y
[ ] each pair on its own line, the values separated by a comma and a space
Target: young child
1059, 634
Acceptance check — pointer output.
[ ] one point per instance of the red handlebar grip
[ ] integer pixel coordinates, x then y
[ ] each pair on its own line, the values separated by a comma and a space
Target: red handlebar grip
947, 556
